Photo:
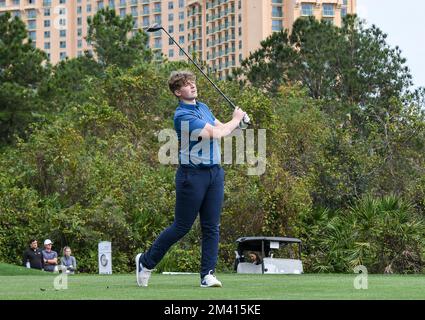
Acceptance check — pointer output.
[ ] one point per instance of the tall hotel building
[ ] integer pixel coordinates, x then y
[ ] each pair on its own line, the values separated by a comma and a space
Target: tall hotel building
221, 32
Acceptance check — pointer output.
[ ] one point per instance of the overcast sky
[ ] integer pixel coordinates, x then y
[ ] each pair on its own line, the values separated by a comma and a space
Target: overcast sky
404, 22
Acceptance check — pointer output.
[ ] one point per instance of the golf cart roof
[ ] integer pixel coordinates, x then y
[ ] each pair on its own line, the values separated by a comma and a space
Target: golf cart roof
266, 239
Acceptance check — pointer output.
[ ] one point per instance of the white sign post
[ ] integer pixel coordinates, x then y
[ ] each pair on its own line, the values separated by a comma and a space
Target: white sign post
105, 257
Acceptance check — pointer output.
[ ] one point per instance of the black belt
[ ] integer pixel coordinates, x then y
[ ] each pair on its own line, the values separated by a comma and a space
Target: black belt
214, 166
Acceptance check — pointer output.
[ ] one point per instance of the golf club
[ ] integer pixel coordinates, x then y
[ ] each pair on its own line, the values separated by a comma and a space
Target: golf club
246, 120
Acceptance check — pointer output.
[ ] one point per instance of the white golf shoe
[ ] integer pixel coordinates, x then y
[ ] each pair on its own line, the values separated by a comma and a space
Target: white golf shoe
142, 274
210, 281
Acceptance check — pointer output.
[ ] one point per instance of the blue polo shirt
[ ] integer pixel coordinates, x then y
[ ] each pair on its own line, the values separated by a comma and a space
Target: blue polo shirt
194, 151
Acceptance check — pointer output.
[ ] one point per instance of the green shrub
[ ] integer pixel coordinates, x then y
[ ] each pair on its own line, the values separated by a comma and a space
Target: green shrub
385, 235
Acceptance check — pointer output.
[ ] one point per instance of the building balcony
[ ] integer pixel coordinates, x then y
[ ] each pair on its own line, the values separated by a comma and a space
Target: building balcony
216, 3
193, 2
196, 24
221, 27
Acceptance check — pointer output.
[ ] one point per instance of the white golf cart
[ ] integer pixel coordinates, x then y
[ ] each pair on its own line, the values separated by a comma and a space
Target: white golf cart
256, 255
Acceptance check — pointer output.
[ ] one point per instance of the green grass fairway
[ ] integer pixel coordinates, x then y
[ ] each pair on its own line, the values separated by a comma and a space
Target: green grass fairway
235, 286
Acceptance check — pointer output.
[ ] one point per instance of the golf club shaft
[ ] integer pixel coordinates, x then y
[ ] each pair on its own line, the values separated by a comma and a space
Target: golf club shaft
199, 68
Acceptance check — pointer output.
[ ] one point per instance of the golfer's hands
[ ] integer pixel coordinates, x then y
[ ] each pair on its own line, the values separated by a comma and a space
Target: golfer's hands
238, 114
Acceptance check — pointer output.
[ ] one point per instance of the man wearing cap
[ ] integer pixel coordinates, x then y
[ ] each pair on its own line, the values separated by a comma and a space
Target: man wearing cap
50, 257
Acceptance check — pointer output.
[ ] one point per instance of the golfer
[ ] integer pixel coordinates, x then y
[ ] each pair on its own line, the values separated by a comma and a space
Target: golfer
199, 180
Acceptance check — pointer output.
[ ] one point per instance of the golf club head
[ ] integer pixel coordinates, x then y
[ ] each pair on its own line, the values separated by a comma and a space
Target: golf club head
153, 28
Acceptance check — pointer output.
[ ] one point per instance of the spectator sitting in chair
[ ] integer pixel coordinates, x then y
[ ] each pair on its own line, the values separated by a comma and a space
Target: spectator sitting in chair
68, 262
50, 257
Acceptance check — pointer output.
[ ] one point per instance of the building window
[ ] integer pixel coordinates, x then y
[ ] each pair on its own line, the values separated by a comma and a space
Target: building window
171, 17
46, 23
134, 11
181, 39
181, 3
111, 4
47, 12
62, 44
277, 12
328, 10
157, 7
181, 15
170, 41
47, 3
343, 12
307, 9
32, 14
79, 32
171, 53
158, 43
32, 35
79, 21
277, 25
62, 2
62, 56
170, 29
79, 10
47, 45
145, 21
32, 24
122, 12
181, 27
170, 5
62, 33
46, 34
79, 43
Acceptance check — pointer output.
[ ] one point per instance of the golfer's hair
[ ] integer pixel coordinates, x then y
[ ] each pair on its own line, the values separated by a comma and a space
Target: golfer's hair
65, 248
179, 79
32, 240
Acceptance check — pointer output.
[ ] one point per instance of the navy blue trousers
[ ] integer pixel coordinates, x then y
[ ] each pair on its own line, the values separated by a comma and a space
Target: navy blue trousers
197, 191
